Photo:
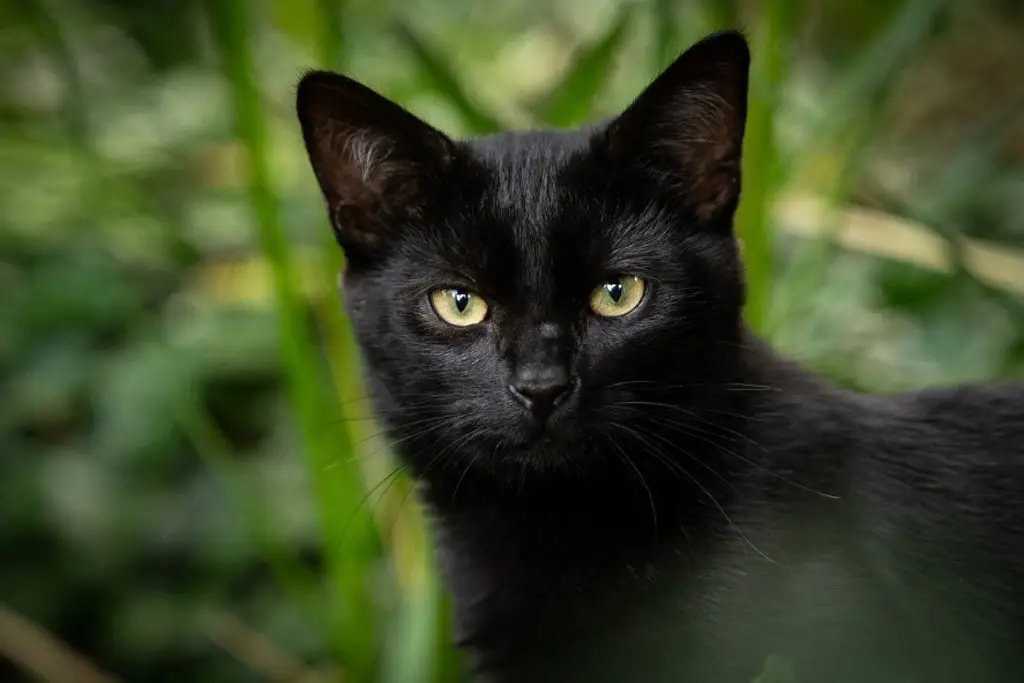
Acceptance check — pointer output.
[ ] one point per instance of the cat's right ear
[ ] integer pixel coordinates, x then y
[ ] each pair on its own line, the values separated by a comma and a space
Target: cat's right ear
375, 161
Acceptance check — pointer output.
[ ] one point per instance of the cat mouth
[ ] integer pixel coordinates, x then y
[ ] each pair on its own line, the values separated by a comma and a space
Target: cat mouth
542, 442
543, 453
547, 432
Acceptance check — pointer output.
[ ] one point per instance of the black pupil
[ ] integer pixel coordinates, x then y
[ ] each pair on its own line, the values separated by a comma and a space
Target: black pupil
614, 290
461, 297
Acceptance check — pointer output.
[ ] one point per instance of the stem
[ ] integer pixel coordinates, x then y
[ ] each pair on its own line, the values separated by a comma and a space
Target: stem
331, 470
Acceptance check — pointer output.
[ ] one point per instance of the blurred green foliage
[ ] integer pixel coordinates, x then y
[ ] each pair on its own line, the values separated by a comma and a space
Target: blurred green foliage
191, 483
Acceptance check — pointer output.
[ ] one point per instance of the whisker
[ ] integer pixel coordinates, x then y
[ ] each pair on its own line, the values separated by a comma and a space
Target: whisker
660, 385
640, 477
703, 489
388, 444
688, 430
390, 477
691, 456
472, 462
695, 415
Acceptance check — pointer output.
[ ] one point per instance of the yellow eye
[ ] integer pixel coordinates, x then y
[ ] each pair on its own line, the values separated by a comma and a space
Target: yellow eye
458, 307
617, 296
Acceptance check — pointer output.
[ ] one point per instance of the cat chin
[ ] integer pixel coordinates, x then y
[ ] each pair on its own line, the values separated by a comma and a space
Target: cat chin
547, 452
534, 460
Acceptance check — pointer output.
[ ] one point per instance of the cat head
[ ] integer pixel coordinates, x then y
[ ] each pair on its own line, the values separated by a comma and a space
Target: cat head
542, 298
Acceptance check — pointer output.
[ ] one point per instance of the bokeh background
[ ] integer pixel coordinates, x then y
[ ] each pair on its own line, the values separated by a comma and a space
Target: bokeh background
192, 487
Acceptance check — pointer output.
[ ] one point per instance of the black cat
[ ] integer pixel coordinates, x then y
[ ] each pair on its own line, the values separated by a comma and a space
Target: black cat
624, 483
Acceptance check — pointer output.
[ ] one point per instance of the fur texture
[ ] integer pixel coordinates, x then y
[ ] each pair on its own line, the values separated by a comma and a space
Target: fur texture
693, 503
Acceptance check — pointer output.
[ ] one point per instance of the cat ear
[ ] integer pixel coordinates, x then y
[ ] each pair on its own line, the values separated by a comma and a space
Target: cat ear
374, 160
687, 126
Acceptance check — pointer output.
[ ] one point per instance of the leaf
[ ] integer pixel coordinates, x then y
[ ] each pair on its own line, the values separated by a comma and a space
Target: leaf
441, 77
571, 102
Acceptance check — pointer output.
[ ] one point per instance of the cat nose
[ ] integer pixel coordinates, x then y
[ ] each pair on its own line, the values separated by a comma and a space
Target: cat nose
541, 390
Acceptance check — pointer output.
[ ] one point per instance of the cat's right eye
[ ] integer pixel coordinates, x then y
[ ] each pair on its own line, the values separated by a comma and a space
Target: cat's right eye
458, 306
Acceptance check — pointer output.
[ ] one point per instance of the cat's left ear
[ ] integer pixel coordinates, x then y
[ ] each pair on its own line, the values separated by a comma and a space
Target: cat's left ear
687, 126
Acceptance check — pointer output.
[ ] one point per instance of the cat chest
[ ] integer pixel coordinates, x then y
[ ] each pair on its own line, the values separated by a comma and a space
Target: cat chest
719, 619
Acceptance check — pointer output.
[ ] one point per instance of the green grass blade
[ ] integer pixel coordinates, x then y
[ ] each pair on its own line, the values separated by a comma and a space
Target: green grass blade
75, 112
76, 107
414, 655
214, 449
753, 218
809, 266
850, 117
972, 164
315, 23
959, 180
667, 42
868, 81
335, 484
330, 39
440, 75
571, 101
724, 14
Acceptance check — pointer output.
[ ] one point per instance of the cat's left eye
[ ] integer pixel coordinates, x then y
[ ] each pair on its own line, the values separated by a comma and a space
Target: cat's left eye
617, 296
459, 307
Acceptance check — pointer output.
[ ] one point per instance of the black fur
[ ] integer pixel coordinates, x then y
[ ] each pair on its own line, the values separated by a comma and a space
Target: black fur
696, 503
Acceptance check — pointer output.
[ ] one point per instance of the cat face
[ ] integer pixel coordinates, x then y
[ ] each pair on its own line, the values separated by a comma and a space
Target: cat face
531, 298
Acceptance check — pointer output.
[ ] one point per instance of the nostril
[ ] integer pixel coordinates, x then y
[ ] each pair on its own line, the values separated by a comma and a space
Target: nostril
541, 396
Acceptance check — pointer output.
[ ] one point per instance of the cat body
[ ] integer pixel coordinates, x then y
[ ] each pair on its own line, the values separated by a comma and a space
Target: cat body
836, 543
624, 483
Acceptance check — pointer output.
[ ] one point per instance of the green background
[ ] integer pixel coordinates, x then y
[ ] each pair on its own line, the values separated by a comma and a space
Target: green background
191, 484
